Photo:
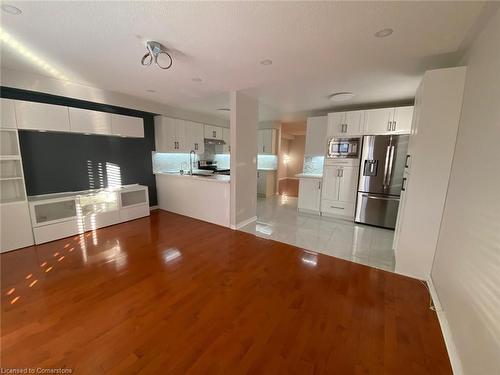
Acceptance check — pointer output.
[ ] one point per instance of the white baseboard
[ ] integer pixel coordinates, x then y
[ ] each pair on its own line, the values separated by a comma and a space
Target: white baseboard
151, 208
241, 224
456, 364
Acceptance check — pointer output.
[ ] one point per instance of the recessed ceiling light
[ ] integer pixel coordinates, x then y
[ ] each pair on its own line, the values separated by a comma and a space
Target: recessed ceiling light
11, 9
266, 62
383, 33
151, 90
224, 109
196, 79
341, 96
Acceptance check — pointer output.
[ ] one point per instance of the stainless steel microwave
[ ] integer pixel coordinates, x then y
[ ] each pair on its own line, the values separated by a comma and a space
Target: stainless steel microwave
343, 148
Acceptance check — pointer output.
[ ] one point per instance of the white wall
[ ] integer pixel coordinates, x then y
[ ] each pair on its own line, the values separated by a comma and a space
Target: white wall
243, 124
49, 85
466, 268
296, 151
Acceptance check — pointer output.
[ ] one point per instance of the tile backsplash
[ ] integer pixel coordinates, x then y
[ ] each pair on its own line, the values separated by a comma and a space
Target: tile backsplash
267, 162
314, 164
170, 162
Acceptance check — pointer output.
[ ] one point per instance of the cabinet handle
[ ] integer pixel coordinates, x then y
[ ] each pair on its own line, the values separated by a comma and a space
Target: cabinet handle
394, 125
263, 148
407, 160
389, 125
196, 146
340, 208
319, 185
403, 185
214, 134
346, 127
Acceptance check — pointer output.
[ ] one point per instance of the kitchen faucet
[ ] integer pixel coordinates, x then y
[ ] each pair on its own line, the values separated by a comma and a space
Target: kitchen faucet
192, 152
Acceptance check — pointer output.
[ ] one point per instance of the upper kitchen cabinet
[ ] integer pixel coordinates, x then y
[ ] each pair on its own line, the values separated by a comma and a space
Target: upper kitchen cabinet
388, 120
342, 124
316, 136
266, 142
168, 135
41, 116
127, 126
213, 132
8, 114
92, 122
194, 137
226, 136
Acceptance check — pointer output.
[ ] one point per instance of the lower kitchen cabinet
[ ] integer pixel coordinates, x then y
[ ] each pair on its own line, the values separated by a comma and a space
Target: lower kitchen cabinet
309, 195
266, 183
338, 196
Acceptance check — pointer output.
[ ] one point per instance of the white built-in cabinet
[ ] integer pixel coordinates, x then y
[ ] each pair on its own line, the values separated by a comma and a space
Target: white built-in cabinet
434, 129
15, 224
316, 136
181, 136
18, 114
89, 122
340, 183
8, 114
127, 126
309, 195
345, 124
266, 142
41, 116
388, 120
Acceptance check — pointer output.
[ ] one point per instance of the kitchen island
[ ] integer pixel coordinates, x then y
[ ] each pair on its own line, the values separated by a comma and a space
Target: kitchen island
201, 197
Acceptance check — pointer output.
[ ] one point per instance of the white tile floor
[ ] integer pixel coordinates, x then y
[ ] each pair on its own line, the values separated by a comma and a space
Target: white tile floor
278, 219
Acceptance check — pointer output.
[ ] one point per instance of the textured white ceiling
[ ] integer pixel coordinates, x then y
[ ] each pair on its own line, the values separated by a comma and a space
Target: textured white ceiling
317, 48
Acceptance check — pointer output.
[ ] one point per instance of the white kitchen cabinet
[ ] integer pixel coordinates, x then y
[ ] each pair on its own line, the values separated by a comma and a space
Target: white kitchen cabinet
194, 137
213, 132
8, 114
226, 136
165, 134
438, 106
388, 120
403, 117
339, 190
342, 124
127, 126
266, 183
41, 116
316, 136
91, 122
309, 195
266, 142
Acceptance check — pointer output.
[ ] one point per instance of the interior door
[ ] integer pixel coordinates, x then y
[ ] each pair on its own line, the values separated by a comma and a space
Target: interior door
331, 183
348, 184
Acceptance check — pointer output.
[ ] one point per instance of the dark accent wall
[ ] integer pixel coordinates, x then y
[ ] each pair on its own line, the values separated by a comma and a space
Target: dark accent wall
56, 162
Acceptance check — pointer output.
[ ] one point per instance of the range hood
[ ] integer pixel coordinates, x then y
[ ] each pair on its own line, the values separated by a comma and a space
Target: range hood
211, 141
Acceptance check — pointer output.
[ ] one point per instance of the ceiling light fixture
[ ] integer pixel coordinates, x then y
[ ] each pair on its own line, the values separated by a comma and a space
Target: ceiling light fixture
341, 96
384, 33
151, 90
266, 62
196, 79
155, 50
11, 9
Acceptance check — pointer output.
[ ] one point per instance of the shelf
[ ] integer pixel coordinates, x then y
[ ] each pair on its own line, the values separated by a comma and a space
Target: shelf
10, 178
12, 190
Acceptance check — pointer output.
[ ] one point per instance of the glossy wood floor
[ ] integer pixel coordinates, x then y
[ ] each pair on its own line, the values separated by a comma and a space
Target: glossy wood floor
289, 186
172, 295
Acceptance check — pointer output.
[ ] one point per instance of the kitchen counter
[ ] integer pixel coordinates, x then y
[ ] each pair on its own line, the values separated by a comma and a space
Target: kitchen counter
309, 175
267, 169
203, 198
211, 178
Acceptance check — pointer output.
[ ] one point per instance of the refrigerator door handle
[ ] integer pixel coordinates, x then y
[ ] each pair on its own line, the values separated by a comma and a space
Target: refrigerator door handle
380, 198
389, 171
386, 166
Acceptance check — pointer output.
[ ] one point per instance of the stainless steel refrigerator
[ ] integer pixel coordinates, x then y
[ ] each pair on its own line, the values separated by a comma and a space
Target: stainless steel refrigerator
381, 176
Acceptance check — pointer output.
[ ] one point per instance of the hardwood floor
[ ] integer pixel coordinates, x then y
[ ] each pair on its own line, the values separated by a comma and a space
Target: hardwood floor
289, 186
173, 295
